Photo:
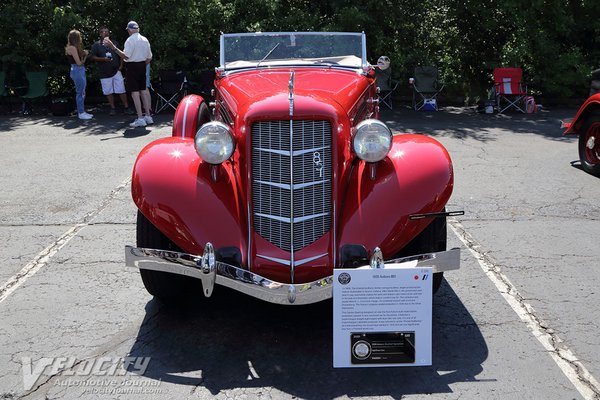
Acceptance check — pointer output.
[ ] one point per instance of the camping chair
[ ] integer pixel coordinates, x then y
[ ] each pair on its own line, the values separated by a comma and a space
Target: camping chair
509, 89
426, 87
38, 88
385, 84
170, 89
206, 83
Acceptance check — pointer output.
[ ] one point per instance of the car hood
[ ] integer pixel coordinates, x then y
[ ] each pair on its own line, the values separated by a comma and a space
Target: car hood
324, 84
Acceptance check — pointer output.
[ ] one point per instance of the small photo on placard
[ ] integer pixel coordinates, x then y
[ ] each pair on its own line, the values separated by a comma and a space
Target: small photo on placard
382, 348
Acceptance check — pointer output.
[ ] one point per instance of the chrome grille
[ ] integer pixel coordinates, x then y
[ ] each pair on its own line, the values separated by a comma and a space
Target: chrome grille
225, 116
272, 155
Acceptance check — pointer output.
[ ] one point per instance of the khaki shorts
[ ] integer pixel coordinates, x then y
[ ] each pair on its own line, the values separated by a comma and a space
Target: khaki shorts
113, 85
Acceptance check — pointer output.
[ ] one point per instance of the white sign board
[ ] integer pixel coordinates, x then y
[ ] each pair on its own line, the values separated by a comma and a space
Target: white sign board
382, 317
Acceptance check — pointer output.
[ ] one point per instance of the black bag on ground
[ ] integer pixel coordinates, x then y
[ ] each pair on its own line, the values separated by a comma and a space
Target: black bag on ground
61, 106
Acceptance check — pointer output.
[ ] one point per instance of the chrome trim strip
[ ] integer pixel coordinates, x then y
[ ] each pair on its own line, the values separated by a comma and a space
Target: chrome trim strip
334, 243
307, 217
307, 184
364, 51
291, 220
440, 261
292, 177
289, 187
280, 152
274, 217
309, 259
275, 184
291, 84
260, 287
248, 260
287, 262
301, 152
222, 51
185, 110
311, 33
277, 260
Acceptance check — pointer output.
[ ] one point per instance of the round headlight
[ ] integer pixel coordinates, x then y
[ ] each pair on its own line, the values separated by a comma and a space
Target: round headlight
214, 142
372, 141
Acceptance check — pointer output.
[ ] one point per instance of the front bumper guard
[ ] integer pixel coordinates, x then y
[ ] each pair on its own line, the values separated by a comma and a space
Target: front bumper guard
210, 271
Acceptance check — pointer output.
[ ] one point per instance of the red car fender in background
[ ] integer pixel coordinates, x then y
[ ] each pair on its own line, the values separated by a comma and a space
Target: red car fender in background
191, 113
590, 105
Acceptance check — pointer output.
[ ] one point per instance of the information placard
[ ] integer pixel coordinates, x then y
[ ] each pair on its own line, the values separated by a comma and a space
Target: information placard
382, 317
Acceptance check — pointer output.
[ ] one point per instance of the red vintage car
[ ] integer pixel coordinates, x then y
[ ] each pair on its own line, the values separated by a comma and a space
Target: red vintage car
291, 175
586, 124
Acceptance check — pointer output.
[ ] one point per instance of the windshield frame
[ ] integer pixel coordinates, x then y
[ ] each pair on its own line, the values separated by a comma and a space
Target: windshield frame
298, 62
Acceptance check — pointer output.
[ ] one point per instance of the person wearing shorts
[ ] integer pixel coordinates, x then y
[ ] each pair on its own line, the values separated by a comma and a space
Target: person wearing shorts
109, 70
136, 54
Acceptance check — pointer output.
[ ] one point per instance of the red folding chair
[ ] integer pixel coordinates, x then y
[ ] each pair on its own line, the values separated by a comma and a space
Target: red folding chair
509, 88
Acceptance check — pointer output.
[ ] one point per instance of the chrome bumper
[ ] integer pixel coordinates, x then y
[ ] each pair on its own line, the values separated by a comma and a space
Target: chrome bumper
210, 271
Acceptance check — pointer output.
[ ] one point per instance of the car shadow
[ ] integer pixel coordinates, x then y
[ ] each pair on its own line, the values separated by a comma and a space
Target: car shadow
577, 165
234, 341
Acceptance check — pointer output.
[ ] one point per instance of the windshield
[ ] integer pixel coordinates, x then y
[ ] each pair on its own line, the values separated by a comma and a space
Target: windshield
251, 50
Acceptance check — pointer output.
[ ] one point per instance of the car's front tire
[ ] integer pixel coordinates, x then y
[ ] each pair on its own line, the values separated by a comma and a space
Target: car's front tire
168, 288
589, 145
432, 239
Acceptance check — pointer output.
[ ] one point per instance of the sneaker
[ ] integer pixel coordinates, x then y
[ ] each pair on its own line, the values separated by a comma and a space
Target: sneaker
148, 119
85, 115
112, 112
128, 111
139, 122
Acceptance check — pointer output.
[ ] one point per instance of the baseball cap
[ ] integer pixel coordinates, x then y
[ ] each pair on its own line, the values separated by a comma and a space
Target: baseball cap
132, 25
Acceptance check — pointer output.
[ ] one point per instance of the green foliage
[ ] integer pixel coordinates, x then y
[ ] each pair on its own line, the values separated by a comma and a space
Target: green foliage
556, 42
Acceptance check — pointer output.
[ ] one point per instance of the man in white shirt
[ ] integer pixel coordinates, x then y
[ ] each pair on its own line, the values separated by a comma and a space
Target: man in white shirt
136, 54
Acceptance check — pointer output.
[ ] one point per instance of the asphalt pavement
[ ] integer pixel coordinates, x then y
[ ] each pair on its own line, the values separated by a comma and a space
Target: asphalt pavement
517, 321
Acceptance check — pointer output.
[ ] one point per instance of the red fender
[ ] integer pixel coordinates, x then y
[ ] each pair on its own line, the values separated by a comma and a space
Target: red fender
191, 113
591, 104
178, 194
416, 177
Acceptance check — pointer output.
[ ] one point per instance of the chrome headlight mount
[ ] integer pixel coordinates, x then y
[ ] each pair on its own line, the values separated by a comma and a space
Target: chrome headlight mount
214, 142
372, 140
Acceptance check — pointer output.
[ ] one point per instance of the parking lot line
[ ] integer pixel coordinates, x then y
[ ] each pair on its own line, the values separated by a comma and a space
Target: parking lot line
568, 362
40, 260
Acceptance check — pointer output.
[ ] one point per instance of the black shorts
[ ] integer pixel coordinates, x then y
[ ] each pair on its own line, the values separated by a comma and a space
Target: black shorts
136, 76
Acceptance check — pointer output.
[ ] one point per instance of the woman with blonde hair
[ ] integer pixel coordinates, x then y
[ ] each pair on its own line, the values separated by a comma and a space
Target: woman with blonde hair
76, 56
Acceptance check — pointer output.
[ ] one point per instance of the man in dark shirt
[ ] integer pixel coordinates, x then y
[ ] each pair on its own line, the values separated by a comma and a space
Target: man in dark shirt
109, 69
